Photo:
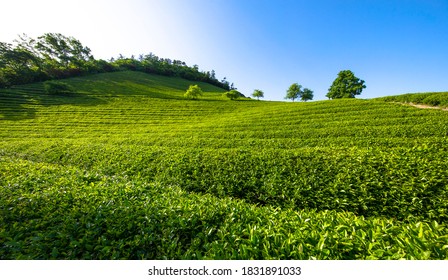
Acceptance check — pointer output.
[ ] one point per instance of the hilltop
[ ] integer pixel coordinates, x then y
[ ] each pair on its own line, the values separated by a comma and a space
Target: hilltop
127, 168
55, 56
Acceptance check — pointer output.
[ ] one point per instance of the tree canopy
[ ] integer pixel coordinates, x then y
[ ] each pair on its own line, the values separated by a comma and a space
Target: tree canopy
233, 94
346, 85
258, 94
293, 92
193, 92
307, 94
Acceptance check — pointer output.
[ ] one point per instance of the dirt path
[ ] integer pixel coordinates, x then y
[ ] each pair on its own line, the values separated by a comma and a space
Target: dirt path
423, 106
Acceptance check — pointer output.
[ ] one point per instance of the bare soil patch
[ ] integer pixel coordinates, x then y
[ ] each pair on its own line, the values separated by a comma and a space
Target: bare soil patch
423, 106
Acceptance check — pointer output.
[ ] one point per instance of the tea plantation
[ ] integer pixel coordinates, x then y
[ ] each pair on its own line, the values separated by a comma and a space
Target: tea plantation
127, 168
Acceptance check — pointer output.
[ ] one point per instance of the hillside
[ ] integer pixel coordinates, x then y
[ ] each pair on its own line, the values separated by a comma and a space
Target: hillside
435, 99
129, 169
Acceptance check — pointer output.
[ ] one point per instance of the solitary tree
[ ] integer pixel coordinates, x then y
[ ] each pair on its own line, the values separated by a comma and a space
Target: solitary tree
307, 94
258, 93
294, 92
193, 92
346, 85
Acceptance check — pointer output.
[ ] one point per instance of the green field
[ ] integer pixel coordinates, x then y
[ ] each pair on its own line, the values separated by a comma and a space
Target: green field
127, 168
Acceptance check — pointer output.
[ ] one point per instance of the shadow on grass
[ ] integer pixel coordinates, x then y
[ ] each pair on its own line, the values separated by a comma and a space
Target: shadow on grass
21, 103
14, 106
77, 98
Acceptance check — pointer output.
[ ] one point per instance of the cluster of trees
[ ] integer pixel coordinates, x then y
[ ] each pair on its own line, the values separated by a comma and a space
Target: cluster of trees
346, 85
194, 92
234, 94
295, 91
55, 56
50, 56
151, 63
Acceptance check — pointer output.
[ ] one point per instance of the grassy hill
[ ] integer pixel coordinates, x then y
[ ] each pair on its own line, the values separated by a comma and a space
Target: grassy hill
439, 99
127, 168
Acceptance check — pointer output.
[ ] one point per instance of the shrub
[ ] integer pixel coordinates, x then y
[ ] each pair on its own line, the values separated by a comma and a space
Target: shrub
437, 99
55, 87
233, 94
193, 92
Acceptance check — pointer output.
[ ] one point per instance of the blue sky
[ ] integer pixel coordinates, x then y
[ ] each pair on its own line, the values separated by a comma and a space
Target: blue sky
395, 46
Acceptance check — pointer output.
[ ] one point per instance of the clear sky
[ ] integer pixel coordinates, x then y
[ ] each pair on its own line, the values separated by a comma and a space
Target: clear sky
396, 46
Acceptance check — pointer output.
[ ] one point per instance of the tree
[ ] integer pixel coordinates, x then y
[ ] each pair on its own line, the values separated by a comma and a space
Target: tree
18, 65
233, 94
307, 94
193, 92
258, 93
346, 85
294, 92
64, 50
55, 56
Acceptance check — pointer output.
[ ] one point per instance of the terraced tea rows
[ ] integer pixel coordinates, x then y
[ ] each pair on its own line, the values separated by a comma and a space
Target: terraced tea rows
127, 168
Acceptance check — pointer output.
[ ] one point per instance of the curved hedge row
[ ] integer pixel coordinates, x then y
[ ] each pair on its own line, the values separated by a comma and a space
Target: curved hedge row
128, 169
56, 212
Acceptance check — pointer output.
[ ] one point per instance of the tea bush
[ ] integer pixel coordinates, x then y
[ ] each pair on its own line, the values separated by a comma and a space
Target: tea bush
57, 87
129, 169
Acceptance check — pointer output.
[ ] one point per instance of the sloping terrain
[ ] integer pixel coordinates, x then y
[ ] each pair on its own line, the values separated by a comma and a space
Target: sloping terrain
421, 100
127, 168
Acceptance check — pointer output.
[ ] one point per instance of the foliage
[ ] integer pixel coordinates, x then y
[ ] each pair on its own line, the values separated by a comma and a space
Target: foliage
346, 85
63, 51
294, 92
57, 87
307, 94
428, 98
83, 215
233, 94
193, 92
129, 170
55, 56
18, 65
258, 94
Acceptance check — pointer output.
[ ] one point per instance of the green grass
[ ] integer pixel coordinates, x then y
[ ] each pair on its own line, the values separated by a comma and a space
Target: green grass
127, 168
